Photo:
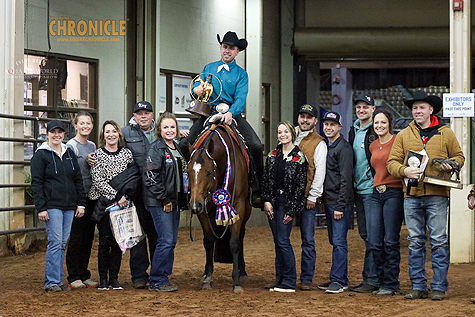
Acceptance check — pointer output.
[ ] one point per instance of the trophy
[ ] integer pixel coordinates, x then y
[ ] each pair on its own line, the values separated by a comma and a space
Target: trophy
444, 178
201, 104
414, 159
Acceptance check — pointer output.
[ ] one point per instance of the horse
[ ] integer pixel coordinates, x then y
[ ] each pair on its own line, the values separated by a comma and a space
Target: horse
216, 159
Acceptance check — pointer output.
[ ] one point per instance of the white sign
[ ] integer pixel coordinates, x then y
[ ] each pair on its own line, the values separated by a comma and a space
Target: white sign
458, 105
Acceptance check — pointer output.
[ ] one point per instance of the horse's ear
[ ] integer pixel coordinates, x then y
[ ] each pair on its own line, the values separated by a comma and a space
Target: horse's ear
190, 147
210, 147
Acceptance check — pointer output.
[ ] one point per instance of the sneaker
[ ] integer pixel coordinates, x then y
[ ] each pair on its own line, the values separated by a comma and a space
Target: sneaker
103, 285
64, 288
284, 289
416, 294
163, 288
271, 285
77, 284
384, 292
438, 295
364, 288
334, 288
115, 284
325, 286
306, 286
90, 283
139, 284
54, 289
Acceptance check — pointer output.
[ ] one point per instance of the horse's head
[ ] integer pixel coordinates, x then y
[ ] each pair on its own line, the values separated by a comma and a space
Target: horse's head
202, 177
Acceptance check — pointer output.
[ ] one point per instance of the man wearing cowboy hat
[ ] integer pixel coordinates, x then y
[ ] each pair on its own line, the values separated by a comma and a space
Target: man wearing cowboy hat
427, 204
231, 90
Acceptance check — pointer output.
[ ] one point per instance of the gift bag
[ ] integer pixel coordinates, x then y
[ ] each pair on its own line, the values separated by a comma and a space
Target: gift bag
125, 225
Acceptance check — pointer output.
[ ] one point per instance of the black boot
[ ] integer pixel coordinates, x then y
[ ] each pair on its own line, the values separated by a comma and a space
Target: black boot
103, 284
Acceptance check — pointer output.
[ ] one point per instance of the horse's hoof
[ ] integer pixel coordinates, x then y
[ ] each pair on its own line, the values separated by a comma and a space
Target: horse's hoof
208, 285
244, 279
238, 289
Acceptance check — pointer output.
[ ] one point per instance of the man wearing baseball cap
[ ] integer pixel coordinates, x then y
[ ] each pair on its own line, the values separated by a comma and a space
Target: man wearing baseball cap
427, 204
315, 149
338, 198
138, 135
361, 135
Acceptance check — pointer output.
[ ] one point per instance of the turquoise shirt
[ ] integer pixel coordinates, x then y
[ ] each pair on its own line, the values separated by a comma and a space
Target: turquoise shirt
363, 179
234, 86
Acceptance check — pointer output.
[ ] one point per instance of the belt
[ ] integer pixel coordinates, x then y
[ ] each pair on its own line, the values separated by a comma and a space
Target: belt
280, 191
381, 188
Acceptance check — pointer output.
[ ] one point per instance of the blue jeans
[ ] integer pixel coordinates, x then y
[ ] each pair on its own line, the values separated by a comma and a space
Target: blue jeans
384, 220
58, 228
363, 204
337, 234
430, 211
285, 268
166, 225
309, 255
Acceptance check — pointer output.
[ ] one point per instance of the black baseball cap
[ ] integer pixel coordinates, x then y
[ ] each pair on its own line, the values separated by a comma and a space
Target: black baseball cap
365, 98
333, 116
308, 108
53, 124
143, 105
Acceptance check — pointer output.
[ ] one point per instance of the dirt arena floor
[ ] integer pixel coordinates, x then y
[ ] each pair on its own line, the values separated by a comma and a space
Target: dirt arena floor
21, 287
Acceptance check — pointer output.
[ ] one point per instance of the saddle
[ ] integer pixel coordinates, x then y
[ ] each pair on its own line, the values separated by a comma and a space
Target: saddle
232, 131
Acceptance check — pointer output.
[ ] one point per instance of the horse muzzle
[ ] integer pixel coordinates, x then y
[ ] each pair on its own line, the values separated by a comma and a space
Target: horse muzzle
196, 207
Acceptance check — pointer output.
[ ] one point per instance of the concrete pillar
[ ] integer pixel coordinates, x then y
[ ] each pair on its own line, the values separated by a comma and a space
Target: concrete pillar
286, 61
461, 222
11, 55
254, 63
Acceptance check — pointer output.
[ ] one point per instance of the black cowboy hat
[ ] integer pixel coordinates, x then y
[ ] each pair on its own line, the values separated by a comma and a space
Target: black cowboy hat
231, 38
421, 95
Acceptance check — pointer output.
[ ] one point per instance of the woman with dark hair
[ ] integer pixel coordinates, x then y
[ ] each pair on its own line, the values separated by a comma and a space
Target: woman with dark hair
82, 229
112, 158
283, 190
165, 182
59, 196
384, 218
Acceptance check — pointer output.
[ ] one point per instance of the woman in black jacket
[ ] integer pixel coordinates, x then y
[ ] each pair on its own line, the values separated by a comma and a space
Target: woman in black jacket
59, 195
166, 184
283, 190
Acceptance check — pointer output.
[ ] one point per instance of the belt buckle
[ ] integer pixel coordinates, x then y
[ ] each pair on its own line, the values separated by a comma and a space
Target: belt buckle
381, 188
280, 191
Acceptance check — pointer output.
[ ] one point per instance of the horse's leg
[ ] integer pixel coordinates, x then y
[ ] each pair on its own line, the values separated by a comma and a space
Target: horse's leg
208, 242
242, 263
235, 247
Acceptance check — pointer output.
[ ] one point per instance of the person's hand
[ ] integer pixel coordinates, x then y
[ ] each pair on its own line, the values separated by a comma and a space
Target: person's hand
446, 167
287, 219
122, 202
43, 216
310, 204
91, 159
198, 90
79, 212
227, 118
168, 207
337, 215
471, 202
412, 172
269, 210
184, 133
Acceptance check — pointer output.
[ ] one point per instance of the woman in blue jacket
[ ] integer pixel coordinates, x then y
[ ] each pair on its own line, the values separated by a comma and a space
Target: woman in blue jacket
165, 182
58, 194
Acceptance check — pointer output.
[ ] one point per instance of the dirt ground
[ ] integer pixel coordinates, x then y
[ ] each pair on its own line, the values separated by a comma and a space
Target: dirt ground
21, 291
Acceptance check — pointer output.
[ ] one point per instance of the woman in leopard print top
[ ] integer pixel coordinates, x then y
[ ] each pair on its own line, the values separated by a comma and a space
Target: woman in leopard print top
112, 158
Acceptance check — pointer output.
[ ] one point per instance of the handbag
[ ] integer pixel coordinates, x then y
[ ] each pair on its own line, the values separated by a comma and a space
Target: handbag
125, 225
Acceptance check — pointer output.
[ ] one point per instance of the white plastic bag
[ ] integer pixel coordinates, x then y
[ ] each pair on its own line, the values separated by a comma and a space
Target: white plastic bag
125, 226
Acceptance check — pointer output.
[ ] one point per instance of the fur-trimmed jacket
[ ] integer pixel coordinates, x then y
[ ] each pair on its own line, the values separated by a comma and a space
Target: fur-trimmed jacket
295, 180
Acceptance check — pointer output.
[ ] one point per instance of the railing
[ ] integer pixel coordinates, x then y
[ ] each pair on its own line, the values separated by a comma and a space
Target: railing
35, 140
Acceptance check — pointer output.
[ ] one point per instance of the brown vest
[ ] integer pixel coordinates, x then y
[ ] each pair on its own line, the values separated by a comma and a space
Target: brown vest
308, 146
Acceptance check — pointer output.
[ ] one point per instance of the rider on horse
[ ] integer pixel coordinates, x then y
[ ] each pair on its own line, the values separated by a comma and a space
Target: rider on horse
231, 89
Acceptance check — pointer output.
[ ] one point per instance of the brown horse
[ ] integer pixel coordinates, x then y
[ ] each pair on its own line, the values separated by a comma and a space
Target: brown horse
207, 170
